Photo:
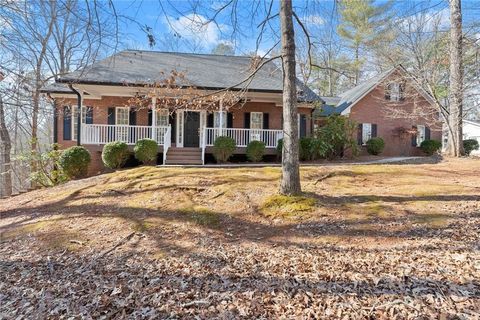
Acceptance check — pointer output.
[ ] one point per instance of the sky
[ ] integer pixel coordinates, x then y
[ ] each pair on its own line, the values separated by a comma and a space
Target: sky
184, 25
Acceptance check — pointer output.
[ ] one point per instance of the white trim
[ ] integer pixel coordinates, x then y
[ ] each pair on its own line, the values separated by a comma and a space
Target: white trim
473, 123
179, 129
116, 115
261, 121
420, 134
203, 123
347, 110
365, 136
222, 119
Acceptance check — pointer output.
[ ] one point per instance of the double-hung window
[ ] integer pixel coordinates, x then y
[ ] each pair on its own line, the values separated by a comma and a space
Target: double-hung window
366, 132
162, 117
162, 121
122, 119
420, 134
395, 91
256, 122
74, 120
217, 122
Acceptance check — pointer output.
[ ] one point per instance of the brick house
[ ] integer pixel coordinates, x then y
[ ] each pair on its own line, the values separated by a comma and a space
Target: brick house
108, 92
390, 105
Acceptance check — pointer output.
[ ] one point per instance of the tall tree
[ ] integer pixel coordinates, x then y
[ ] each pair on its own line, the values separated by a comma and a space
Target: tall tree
224, 49
455, 146
363, 24
5, 150
290, 183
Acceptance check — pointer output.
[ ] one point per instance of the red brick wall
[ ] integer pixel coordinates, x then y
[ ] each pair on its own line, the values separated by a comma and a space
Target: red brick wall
274, 114
374, 108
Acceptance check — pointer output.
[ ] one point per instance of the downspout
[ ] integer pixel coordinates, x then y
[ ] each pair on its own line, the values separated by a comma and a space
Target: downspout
79, 108
55, 119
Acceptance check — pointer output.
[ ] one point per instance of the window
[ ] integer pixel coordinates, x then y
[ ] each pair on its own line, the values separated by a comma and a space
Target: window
420, 134
122, 119
366, 132
256, 120
122, 116
395, 91
162, 117
216, 119
74, 120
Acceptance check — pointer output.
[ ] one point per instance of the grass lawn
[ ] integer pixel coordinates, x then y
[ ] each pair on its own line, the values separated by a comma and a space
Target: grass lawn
363, 241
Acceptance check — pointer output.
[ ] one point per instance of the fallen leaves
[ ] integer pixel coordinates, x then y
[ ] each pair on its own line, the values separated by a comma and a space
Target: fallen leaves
93, 255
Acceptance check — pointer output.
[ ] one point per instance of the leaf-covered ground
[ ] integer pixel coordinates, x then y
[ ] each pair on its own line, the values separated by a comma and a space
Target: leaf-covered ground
373, 242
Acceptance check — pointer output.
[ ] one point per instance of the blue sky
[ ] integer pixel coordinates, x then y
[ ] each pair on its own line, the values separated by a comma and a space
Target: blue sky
179, 26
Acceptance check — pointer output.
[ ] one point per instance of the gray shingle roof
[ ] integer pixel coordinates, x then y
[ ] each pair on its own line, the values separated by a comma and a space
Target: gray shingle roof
204, 71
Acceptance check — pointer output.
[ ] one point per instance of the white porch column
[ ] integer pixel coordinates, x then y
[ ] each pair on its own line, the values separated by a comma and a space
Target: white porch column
221, 117
154, 118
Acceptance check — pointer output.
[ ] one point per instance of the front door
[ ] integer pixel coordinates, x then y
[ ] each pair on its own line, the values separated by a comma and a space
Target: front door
191, 129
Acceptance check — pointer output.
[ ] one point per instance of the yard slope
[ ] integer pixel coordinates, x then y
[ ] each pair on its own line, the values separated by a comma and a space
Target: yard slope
363, 241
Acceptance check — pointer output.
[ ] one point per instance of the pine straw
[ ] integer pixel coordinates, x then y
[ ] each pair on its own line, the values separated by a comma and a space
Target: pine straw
385, 242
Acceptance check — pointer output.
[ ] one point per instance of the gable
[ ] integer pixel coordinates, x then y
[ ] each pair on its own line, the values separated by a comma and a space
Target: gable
353, 96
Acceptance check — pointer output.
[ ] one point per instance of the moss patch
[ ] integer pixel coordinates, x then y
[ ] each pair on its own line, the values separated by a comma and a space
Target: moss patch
26, 229
287, 206
202, 216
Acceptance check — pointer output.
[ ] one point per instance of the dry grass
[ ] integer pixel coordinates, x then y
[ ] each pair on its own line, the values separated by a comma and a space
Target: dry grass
198, 216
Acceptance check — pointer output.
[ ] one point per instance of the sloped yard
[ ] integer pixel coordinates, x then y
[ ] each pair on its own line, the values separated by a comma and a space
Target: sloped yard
369, 241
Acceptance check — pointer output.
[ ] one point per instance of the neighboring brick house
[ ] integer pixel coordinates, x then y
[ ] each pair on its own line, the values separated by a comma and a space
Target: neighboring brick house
391, 106
107, 91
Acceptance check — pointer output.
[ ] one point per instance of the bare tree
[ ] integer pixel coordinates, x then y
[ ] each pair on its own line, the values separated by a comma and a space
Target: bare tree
290, 183
455, 145
41, 40
5, 150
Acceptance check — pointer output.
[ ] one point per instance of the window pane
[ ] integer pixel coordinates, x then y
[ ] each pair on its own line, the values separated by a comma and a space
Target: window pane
162, 117
256, 120
122, 116
366, 132
216, 119
420, 134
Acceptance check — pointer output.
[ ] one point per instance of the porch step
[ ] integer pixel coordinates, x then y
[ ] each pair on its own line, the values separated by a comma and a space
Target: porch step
187, 156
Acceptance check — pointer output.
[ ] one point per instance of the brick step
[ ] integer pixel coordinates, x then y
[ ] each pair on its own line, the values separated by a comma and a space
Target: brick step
184, 161
184, 156
184, 149
184, 152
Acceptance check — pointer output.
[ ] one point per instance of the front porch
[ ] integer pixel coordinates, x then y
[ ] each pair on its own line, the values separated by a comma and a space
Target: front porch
201, 138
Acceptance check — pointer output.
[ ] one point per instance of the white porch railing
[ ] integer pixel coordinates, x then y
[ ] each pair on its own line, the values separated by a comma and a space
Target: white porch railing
243, 136
105, 133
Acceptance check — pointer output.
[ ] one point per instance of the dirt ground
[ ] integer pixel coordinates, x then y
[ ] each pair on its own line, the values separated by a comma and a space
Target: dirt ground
363, 242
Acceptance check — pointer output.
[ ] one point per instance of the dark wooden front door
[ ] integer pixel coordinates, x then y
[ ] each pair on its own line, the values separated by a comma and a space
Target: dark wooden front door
191, 129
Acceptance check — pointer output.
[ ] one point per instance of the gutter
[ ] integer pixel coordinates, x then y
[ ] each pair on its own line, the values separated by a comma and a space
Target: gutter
79, 108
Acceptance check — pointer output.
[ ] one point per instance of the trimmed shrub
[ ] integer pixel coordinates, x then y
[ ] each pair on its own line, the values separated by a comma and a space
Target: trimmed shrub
430, 146
375, 146
255, 151
115, 154
306, 148
469, 145
146, 150
337, 135
223, 148
74, 162
279, 149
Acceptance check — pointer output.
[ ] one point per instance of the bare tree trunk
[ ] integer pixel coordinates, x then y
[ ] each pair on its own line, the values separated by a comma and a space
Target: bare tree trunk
290, 183
455, 144
357, 64
5, 149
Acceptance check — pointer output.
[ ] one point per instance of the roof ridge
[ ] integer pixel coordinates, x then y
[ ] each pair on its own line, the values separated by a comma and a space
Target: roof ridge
186, 53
